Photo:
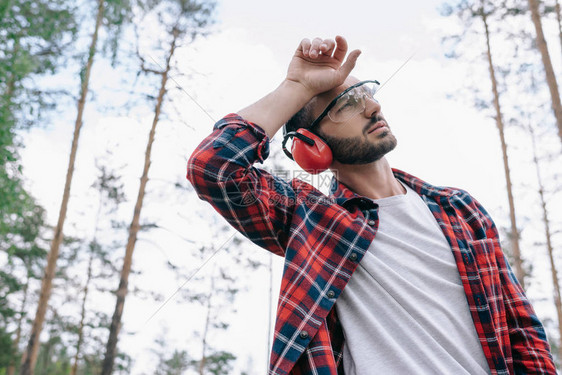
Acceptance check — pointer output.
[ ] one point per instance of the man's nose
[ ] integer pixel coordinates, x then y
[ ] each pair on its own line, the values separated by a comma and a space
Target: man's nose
372, 107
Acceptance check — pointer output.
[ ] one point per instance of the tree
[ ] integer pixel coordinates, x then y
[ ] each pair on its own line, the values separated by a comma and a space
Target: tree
547, 63
548, 236
468, 11
211, 295
175, 363
118, 7
216, 362
53, 356
26, 255
25, 53
30, 356
110, 191
531, 116
183, 21
516, 252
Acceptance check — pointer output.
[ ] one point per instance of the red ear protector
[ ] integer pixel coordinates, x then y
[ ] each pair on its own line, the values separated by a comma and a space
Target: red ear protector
309, 150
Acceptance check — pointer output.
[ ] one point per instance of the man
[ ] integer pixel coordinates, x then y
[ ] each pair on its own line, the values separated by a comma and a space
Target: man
388, 275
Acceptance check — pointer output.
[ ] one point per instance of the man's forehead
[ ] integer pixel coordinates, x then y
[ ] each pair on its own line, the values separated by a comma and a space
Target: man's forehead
331, 94
323, 99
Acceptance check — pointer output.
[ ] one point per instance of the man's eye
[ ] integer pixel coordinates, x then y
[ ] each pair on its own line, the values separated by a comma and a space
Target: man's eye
345, 106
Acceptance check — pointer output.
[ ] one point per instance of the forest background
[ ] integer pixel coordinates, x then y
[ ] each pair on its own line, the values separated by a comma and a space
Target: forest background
109, 262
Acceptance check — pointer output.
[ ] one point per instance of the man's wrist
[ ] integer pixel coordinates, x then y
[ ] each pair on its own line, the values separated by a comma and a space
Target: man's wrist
298, 90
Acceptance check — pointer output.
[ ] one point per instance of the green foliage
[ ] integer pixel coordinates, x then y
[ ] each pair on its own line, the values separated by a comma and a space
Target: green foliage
6, 349
182, 20
176, 364
123, 364
20, 240
118, 13
95, 256
53, 358
9, 284
218, 363
33, 37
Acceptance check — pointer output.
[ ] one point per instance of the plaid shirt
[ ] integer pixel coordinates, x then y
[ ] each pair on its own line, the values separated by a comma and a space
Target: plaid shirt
324, 238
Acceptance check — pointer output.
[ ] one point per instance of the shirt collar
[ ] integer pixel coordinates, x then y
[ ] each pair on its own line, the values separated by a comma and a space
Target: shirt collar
345, 197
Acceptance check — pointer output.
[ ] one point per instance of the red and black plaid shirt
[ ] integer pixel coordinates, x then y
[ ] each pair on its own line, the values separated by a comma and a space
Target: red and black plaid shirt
324, 238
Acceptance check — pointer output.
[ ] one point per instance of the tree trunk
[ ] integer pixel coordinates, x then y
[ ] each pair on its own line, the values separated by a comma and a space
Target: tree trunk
30, 356
519, 272
548, 70
12, 367
134, 227
549, 247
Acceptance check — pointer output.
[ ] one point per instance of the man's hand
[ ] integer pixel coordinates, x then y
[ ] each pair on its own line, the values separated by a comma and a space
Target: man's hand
316, 67
319, 66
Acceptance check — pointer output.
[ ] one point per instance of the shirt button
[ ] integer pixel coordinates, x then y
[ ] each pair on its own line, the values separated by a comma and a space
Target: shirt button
353, 256
331, 294
371, 222
303, 335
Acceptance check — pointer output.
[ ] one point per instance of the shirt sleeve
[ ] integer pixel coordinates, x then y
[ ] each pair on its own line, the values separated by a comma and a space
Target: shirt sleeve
256, 203
530, 348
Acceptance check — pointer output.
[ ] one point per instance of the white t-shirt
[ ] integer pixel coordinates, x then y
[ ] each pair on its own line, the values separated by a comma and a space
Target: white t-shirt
405, 311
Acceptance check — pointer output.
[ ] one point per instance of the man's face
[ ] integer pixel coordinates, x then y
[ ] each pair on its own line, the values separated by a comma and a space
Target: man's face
361, 139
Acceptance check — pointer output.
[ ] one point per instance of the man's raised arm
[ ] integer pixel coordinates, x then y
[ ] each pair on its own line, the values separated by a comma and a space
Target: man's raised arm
317, 66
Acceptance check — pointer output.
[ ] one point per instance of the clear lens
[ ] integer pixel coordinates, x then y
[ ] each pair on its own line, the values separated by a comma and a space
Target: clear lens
352, 102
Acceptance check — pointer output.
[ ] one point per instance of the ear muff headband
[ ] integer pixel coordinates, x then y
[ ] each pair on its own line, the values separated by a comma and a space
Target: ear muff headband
309, 141
309, 150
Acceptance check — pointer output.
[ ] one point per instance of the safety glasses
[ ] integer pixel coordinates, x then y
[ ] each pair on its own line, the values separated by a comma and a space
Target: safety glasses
349, 103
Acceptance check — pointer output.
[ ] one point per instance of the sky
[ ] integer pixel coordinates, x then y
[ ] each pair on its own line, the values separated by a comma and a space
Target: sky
441, 139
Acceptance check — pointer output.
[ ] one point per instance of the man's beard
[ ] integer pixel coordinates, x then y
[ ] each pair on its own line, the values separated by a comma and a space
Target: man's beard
358, 150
